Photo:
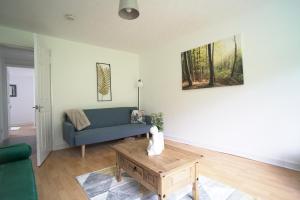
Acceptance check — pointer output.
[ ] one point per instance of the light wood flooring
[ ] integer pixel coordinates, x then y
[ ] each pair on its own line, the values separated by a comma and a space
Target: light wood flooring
56, 177
24, 130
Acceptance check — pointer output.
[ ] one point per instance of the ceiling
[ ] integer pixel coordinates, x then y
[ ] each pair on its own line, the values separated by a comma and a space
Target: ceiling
97, 21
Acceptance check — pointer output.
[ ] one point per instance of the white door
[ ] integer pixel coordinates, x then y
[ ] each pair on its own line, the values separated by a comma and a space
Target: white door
43, 99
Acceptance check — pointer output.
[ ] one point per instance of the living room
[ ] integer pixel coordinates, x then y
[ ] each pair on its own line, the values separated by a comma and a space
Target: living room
246, 134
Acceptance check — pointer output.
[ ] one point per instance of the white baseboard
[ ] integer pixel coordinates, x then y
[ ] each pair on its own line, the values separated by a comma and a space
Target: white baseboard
60, 146
22, 124
276, 162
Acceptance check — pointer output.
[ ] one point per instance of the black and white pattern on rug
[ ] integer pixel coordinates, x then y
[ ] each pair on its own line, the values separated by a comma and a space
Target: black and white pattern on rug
102, 185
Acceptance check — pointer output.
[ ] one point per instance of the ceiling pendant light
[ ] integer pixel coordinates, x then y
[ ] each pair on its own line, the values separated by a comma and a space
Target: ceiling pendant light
128, 9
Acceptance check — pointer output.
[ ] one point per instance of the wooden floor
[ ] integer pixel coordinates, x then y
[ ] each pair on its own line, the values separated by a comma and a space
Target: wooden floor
56, 178
24, 130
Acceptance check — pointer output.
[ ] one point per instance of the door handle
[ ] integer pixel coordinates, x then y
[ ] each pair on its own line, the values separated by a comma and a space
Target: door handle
37, 107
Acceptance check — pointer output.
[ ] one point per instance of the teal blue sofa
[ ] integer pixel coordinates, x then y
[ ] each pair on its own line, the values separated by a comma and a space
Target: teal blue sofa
106, 124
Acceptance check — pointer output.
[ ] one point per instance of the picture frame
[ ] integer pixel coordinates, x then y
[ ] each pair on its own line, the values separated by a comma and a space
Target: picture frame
13, 90
216, 64
103, 71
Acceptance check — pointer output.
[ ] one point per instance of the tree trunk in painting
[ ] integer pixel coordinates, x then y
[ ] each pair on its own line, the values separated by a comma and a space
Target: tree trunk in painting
187, 69
191, 61
206, 61
199, 66
213, 58
211, 66
235, 56
183, 63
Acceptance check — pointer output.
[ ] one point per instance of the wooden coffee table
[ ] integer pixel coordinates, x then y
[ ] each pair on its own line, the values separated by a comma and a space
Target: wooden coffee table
163, 174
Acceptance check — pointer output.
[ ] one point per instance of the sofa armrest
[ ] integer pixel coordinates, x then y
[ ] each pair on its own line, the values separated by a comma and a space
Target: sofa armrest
69, 133
148, 119
14, 153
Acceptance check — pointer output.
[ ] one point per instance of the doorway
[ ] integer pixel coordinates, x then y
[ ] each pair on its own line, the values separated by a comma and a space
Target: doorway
18, 90
21, 100
21, 57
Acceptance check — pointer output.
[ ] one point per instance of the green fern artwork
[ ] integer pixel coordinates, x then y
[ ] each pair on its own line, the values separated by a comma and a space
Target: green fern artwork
103, 82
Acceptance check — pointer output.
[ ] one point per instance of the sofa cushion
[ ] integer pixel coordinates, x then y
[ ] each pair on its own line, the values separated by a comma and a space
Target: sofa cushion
17, 181
106, 117
137, 116
14, 152
89, 136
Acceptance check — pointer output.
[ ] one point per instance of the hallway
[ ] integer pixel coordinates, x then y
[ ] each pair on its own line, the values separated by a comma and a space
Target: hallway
25, 134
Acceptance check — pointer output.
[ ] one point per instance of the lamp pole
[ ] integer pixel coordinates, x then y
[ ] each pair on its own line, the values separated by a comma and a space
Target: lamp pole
138, 98
139, 85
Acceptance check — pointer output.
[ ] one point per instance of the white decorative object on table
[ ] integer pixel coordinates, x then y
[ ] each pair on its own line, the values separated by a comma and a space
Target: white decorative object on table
156, 143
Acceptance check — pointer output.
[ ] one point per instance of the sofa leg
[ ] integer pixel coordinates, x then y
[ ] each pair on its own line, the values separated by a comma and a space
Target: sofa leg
82, 151
147, 134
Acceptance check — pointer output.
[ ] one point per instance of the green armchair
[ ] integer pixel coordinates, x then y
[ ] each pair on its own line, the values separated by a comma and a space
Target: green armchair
16, 173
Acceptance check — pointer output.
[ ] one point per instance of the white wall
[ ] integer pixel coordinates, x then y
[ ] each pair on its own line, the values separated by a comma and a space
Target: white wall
21, 111
74, 79
258, 120
15, 37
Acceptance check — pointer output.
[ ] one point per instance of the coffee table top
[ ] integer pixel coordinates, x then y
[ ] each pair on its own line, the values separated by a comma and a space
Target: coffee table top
170, 159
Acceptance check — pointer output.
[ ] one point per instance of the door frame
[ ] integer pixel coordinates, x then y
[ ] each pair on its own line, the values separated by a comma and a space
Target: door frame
4, 97
4, 101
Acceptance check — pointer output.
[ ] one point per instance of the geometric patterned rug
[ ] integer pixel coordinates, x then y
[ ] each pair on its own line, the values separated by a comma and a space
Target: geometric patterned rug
102, 185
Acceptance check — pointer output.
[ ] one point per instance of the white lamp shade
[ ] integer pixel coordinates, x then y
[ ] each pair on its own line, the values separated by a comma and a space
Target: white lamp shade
140, 83
128, 9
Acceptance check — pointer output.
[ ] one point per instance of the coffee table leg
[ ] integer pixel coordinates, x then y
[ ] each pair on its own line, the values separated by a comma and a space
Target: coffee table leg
196, 183
196, 190
118, 169
118, 174
161, 189
162, 197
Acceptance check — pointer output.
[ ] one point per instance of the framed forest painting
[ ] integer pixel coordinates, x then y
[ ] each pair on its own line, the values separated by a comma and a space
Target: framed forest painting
103, 82
216, 64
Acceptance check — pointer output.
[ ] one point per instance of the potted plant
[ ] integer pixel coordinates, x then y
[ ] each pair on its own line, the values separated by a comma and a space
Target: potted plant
157, 120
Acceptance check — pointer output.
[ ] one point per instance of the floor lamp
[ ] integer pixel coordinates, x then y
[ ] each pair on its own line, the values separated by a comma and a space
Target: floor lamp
139, 85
